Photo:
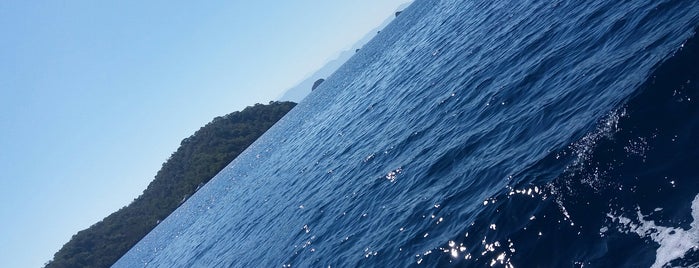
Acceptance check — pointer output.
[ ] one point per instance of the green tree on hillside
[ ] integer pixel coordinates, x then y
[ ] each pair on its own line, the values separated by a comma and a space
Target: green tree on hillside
196, 161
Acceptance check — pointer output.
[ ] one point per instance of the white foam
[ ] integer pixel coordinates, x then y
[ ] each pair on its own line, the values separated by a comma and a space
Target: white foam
674, 242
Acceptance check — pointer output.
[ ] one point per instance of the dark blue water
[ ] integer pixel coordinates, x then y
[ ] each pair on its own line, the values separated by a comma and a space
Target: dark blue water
473, 133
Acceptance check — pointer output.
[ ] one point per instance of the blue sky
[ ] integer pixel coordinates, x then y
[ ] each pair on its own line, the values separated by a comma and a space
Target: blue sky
95, 95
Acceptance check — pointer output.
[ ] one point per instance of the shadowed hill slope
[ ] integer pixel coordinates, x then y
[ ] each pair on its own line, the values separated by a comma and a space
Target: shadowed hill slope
196, 161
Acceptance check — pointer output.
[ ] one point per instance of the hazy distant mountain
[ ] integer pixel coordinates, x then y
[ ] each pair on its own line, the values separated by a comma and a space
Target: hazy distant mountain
298, 92
301, 90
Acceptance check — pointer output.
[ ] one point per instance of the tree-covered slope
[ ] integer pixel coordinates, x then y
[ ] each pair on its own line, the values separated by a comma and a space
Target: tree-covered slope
195, 162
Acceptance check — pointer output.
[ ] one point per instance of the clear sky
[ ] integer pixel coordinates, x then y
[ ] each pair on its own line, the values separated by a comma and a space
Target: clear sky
95, 95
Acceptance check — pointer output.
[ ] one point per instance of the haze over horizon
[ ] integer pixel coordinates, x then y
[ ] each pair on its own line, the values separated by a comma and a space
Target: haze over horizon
96, 96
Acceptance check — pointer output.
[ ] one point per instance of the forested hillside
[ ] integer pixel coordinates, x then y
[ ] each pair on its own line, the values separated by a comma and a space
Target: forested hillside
195, 162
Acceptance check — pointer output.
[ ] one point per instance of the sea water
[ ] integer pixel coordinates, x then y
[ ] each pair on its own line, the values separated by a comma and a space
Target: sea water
472, 133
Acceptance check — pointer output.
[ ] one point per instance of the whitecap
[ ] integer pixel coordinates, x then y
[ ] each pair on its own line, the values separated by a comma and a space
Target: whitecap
674, 242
